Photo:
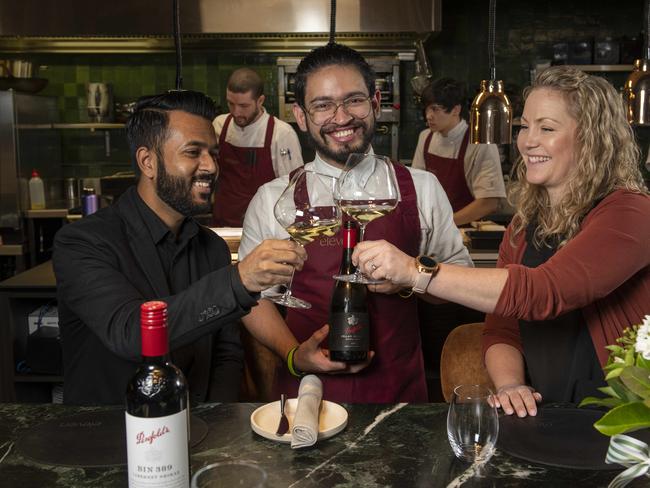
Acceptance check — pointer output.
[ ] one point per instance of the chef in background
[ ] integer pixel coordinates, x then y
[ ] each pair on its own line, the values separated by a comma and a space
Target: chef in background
254, 148
470, 173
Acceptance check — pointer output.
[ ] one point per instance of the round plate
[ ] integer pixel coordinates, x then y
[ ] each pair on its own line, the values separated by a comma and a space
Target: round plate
562, 437
264, 421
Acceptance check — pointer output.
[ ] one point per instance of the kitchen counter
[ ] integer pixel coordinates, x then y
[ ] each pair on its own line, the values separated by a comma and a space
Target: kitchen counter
403, 445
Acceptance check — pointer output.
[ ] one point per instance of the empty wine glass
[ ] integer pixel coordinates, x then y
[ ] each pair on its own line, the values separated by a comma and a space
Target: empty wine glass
307, 210
230, 474
472, 423
367, 189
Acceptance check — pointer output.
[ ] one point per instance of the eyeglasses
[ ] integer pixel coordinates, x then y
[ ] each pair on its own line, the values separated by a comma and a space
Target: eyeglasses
356, 106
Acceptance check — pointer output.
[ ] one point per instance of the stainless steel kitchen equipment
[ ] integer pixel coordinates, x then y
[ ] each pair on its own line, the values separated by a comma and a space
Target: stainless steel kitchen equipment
100, 102
27, 142
387, 68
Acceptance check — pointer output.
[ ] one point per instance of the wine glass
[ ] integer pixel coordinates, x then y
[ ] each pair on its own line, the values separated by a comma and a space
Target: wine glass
307, 210
366, 190
472, 423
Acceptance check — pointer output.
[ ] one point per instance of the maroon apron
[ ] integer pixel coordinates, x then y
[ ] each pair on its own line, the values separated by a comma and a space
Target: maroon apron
396, 373
451, 174
242, 170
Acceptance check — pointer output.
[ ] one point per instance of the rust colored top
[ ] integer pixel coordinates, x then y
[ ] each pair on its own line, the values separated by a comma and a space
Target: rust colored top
604, 271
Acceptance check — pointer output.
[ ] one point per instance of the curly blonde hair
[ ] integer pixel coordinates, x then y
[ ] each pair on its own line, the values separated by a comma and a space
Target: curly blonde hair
607, 158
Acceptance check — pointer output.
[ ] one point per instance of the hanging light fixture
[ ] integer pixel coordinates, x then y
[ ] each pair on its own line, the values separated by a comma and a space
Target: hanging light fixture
332, 21
637, 87
490, 118
176, 14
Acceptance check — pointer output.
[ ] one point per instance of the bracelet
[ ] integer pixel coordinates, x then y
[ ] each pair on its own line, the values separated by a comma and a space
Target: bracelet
405, 293
291, 367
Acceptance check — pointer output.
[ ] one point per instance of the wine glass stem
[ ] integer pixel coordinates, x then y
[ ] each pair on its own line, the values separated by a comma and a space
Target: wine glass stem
362, 230
287, 291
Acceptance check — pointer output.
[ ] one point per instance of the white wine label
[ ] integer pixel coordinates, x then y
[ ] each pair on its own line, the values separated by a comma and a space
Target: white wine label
157, 451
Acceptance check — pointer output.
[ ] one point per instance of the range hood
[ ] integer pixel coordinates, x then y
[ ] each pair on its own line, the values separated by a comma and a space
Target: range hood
24, 22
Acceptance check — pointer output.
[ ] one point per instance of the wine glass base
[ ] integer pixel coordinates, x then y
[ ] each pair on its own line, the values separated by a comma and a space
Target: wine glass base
288, 301
362, 279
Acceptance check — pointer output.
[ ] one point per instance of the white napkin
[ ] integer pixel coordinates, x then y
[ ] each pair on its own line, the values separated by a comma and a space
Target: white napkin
305, 422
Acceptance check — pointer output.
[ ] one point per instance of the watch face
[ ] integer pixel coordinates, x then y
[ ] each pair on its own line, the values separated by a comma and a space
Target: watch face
427, 261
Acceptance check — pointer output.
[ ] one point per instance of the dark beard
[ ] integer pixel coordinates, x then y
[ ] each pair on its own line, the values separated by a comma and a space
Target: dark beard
341, 156
177, 193
249, 120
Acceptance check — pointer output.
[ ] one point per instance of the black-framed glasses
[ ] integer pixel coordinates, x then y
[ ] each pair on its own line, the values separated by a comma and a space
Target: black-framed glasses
356, 106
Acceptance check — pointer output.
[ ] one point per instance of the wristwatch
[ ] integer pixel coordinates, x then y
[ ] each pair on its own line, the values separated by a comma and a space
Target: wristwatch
427, 268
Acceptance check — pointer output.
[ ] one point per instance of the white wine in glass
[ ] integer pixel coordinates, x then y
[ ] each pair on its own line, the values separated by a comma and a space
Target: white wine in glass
367, 190
307, 211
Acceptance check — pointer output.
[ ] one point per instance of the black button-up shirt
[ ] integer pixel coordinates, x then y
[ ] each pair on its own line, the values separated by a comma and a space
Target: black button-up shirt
177, 255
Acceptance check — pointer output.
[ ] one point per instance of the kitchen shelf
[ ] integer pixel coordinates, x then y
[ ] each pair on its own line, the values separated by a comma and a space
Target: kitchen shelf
47, 213
602, 67
82, 125
12, 249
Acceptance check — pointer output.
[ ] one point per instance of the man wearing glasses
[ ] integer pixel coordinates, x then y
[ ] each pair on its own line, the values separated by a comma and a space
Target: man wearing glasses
336, 107
470, 173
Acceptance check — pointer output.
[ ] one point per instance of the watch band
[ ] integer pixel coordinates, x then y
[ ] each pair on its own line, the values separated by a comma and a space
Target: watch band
427, 268
422, 282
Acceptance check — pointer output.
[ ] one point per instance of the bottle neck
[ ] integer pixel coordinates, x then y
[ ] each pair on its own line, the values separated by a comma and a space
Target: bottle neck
154, 341
349, 241
157, 360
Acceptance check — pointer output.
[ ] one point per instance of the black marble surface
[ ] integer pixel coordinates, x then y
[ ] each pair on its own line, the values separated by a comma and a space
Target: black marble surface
403, 445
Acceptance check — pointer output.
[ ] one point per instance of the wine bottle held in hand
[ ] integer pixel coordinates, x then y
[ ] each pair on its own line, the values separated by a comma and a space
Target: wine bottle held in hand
157, 410
349, 339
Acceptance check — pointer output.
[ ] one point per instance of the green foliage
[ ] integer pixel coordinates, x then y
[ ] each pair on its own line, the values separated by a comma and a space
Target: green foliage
624, 418
628, 392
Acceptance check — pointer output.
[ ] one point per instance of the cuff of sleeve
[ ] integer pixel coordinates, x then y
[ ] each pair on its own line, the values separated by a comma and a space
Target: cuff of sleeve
245, 298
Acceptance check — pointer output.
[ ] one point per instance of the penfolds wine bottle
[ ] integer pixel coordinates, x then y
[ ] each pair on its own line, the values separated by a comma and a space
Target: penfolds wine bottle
349, 323
157, 410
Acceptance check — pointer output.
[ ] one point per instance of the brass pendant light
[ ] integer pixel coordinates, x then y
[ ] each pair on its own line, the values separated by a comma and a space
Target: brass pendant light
490, 118
637, 87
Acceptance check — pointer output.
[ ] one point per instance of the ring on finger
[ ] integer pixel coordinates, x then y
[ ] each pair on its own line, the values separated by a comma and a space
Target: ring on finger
373, 266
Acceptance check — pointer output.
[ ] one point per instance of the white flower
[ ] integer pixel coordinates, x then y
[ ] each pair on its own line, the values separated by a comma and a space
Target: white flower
642, 344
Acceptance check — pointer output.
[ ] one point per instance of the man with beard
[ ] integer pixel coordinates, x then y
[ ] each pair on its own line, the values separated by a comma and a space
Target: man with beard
254, 150
336, 106
147, 246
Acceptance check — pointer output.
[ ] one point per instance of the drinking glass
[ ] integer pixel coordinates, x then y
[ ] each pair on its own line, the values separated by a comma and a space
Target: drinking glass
367, 189
230, 474
307, 210
472, 423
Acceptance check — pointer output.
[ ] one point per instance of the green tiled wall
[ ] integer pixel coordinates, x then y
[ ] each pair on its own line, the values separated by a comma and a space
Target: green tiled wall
131, 76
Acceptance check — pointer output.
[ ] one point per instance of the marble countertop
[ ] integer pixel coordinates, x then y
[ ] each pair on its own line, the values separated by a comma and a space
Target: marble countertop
402, 445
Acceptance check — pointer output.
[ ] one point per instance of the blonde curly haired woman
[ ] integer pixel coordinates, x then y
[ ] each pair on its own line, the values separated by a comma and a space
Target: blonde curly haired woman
574, 264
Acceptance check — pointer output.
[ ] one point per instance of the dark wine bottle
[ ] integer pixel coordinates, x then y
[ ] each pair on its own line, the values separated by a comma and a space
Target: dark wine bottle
157, 410
349, 323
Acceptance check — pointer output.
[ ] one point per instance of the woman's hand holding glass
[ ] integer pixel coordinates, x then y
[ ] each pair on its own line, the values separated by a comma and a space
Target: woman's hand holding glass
381, 260
307, 211
367, 189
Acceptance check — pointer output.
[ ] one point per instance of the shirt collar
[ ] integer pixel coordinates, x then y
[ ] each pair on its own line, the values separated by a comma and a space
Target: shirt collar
457, 132
262, 120
157, 227
328, 169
